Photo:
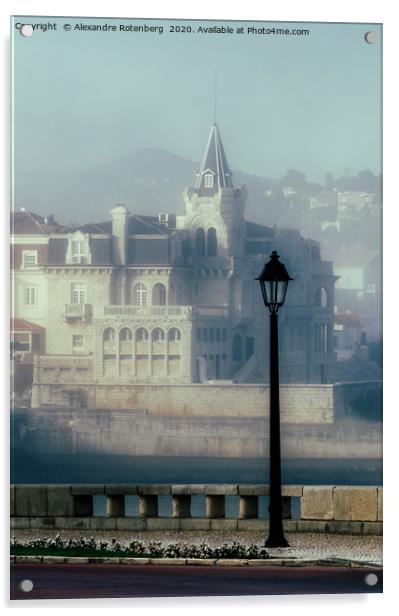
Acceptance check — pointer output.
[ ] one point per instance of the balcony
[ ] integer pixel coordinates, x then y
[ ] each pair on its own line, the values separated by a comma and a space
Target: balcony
212, 311
144, 312
242, 312
74, 312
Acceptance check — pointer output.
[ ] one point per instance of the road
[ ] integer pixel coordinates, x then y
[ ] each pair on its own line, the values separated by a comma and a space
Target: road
54, 581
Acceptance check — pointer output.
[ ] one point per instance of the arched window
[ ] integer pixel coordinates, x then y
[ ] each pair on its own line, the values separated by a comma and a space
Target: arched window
125, 334
157, 334
174, 334
159, 295
200, 242
321, 297
140, 294
212, 243
108, 334
237, 348
141, 334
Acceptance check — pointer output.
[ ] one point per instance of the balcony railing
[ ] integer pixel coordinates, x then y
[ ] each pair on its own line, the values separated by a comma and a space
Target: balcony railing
147, 312
212, 311
76, 311
217, 263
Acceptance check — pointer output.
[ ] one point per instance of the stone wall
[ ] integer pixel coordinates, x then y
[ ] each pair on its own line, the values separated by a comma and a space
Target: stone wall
299, 403
358, 399
139, 433
334, 509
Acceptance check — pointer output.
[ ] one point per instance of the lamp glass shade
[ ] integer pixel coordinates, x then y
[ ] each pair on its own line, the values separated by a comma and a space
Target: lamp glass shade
273, 281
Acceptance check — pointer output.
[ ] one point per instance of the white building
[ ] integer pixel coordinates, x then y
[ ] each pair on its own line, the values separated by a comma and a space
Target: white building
171, 298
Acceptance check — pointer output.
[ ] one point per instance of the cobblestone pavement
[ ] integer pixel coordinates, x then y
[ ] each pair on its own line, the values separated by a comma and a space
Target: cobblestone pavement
302, 545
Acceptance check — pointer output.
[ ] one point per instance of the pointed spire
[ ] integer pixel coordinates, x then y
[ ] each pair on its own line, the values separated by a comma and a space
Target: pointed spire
214, 172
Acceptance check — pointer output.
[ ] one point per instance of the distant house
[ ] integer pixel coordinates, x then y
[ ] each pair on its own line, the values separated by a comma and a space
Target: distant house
358, 287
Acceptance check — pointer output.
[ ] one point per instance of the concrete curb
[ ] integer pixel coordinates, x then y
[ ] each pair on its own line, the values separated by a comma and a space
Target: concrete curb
209, 562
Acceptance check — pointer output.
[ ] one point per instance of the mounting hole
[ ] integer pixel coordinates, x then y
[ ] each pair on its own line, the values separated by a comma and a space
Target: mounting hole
371, 579
26, 585
370, 37
26, 30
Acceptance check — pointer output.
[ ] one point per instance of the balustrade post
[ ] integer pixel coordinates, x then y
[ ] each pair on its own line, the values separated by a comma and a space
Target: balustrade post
215, 506
181, 506
286, 505
116, 506
248, 507
148, 506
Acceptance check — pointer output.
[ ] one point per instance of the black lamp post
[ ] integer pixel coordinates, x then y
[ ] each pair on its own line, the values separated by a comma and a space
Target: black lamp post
273, 281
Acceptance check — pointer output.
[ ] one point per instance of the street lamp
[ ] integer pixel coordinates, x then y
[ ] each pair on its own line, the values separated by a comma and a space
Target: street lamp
274, 280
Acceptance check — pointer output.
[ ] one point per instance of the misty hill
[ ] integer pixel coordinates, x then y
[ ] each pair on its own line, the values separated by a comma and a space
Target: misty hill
148, 181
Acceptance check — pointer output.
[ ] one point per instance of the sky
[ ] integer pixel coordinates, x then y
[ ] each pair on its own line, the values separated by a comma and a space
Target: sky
85, 98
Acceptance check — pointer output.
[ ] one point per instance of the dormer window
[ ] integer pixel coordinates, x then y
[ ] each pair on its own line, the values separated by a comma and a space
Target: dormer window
78, 251
208, 180
78, 248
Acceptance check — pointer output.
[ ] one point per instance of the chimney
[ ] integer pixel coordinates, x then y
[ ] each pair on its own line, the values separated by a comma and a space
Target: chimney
119, 233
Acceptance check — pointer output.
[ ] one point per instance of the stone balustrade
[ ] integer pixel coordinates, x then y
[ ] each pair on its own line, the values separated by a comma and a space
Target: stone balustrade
333, 509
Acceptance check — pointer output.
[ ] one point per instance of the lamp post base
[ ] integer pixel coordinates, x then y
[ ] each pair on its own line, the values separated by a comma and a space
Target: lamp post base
277, 542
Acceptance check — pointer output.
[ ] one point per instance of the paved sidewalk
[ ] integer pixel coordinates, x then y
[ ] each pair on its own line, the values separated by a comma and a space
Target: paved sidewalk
317, 546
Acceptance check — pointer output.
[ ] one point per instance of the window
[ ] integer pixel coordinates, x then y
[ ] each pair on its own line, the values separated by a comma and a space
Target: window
141, 334
246, 292
208, 180
211, 335
224, 334
30, 296
321, 297
77, 341
159, 295
174, 334
109, 334
204, 335
217, 334
212, 244
199, 334
301, 338
140, 295
125, 334
200, 242
78, 248
78, 293
158, 334
237, 348
29, 258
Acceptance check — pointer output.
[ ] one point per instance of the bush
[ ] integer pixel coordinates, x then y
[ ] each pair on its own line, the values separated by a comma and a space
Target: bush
154, 549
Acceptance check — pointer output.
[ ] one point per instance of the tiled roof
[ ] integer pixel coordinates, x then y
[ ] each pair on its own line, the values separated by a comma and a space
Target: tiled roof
100, 227
21, 324
255, 230
140, 225
25, 222
148, 251
350, 319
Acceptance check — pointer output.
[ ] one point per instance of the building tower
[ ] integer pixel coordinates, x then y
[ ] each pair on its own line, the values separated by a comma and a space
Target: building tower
214, 208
